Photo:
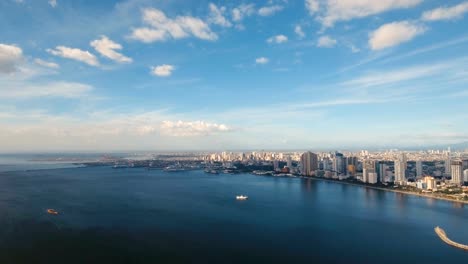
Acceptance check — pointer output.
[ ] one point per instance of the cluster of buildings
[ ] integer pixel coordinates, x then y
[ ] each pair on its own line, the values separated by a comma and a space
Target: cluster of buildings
419, 169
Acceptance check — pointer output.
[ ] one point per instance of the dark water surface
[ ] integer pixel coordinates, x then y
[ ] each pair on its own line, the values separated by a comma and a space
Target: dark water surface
139, 216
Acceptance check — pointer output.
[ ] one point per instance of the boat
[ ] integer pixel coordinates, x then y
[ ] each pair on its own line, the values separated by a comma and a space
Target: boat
242, 197
52, 212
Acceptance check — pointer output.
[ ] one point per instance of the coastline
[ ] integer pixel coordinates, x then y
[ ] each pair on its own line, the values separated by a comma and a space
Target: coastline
388, 189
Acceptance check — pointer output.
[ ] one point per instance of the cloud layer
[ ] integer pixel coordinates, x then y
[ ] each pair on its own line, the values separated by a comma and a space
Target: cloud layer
75, 54
394, 33
163, 28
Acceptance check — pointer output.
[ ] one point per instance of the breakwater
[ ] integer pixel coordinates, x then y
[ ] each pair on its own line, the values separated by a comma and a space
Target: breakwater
441, 233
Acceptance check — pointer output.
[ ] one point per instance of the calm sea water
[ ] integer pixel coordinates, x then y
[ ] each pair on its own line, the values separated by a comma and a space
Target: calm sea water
139, 216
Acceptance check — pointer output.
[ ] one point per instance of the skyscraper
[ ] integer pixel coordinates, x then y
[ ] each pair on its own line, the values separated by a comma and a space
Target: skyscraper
339, 164
456, 172
400, 169
419, 170
309, 163
369, 173
448, 162
289, 162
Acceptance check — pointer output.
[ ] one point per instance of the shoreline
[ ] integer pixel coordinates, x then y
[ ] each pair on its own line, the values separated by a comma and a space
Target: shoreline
389, 190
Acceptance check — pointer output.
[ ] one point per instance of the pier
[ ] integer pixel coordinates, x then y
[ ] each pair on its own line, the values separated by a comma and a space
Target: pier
441, 233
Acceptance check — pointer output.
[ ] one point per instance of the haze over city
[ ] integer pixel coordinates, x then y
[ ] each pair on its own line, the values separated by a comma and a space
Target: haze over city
214, 75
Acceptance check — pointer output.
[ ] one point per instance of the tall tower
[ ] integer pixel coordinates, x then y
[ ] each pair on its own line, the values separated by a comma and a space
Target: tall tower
419, 170
456, 172
400, 169
369, 173
309, 163
448, 162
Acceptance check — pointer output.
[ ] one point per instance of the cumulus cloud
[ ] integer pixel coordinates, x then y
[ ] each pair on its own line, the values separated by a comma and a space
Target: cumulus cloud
446, 13
10, 57
189, 129
269, 10
242, 11
217, 16
326, 42
75, 54
312, 6
47, 64
395, 33
107, 48
162, 28
332, 11
278, 39
164, 70
261, 60
298, 31
53, 3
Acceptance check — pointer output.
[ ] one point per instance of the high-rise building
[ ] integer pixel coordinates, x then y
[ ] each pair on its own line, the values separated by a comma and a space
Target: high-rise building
339, 164
275, 165
419, 169
456, 172
382, 172
465, 175
309, 163
368, 171
289, 162
400, 169
351, 165
448, 162
430, 182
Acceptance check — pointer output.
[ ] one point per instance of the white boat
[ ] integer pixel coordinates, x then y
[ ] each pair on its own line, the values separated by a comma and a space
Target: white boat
241, 197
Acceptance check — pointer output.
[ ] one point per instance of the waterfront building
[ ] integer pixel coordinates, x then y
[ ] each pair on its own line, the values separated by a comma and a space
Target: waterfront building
351, 170
289, 162
465, 175
400, 169
430, 182
276, 165
372, 177
309, 163
382, 172
419, 169
339, 164
448, 163
456, 172
368, 171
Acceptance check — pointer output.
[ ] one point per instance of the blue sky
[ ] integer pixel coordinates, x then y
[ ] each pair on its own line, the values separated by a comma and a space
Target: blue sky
216, 75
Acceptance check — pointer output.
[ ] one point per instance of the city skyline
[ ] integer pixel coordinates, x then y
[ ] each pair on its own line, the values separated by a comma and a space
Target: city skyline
214, 75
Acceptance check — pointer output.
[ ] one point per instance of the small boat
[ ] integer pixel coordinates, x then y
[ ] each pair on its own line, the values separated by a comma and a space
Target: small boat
241, 197
52, 212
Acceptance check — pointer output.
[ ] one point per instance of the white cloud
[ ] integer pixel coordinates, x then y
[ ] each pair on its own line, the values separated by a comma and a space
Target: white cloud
261, 60
162, 70
269, 10
326, 42
53, 89
75, 54
446, 13
164, 28
312, 6
394, 33
298, 31
107, 48
53, 3
242, 11
190, 129
217, 16
10, 57
397, 76
344, 10
278, 39
47, 64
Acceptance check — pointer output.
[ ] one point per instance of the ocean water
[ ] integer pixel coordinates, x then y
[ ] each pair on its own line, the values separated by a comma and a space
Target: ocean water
151, 216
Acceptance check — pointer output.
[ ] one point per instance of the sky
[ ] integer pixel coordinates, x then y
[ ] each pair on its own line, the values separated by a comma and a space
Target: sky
164, 75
